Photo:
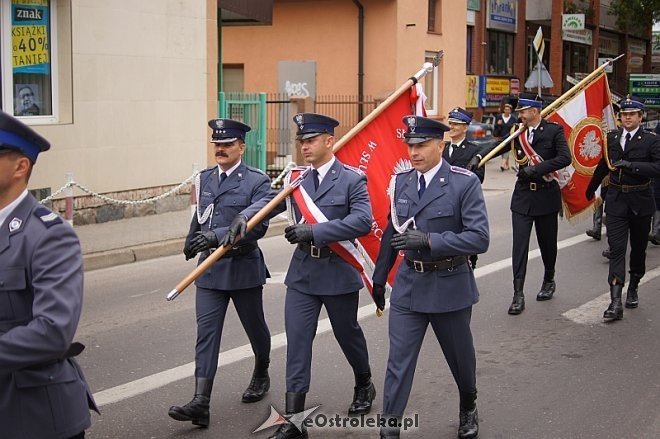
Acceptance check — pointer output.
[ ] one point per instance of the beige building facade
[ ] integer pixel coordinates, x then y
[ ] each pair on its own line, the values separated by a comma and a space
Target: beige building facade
397, 39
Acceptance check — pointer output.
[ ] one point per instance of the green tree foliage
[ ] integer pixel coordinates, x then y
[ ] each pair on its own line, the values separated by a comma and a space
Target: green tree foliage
635, 14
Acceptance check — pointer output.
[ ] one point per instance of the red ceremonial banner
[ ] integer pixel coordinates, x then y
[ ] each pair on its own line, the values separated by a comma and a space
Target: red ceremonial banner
378, 150
586, 119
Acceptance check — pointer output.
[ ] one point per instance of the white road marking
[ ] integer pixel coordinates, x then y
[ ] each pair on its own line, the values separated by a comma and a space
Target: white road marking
160, 379
145, 294
276, 277
591, 313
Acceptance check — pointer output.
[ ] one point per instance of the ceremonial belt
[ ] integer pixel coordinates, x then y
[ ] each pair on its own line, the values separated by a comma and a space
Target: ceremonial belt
446, 264
534, 186
314, 251
630, 187
241, 250
534, 159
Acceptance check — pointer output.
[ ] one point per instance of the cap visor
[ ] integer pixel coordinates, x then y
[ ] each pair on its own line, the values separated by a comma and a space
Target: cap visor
415, 140
306, 136
452, 120
225, 140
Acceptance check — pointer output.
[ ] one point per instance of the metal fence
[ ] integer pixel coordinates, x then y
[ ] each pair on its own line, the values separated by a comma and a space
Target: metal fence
344, 108
278, 133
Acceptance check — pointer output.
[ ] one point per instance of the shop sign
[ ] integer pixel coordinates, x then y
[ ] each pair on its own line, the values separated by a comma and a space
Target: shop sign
584, 36
655, 48
608, 45
572, 21
515, 86
474, 5
497, 86
646, 87
502, 15
637, 46
472, 91
608, 68
636, 61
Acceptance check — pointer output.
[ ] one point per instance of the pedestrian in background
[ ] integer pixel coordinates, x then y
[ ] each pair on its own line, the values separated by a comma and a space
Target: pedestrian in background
504, 122
43, 393
632, 160
239, 276
434, 284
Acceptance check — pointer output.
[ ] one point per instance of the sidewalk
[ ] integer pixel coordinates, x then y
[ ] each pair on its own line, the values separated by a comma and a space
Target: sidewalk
153, 236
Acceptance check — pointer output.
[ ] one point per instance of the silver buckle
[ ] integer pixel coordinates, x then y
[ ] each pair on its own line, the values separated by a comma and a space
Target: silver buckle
532, 186
419, 266
450, 260
315, 251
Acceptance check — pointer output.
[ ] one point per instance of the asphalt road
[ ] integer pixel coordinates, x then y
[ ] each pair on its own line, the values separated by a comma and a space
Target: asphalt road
556, 371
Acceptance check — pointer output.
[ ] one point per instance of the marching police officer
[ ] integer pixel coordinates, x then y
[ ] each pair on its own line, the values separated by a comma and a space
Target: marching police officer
536, 199
239, 276
434, 284
318, 276
44, 393
632, 160
459, 151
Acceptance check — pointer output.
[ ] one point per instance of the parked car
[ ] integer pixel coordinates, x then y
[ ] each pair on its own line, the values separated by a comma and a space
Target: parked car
481, 134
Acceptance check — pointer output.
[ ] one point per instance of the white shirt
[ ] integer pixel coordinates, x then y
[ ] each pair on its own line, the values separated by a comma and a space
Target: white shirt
324, 169
230, 170
428, 175
531, 131
453, 145
5, 211
622, 140
506, 118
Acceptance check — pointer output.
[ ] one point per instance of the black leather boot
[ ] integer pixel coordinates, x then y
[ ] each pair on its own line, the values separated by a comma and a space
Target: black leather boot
197, 410
391, 427
631, 296
468, 416
548, 287
259, 384
615, 310
295, 403
363, 394
596, 231
518, 303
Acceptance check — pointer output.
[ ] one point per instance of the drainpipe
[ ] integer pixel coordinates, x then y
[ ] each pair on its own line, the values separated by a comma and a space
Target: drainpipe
219, 24
360, 56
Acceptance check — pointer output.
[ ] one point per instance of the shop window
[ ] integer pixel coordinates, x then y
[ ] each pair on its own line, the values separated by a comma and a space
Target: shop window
500, 53
434, 25
28, 58
431, 87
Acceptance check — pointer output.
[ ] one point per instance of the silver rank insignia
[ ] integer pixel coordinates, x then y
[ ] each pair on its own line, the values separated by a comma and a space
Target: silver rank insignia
299, 119
220, 124
412, 123
15, 224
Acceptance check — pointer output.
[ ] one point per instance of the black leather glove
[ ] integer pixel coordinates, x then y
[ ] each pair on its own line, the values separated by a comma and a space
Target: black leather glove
203, 241
411, 240
527, 173
590, 193
473, 164
236, 230
298, 233
187, 248
379, 296
623, 164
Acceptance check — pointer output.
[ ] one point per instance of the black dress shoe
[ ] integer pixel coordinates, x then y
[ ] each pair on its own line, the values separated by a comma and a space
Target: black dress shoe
362, 400
257, 389
468, 424
289, 431
615, 310
547, 291
595, 234
197, 411
517, 305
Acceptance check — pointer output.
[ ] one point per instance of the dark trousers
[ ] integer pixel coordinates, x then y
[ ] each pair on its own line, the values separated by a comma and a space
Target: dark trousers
301, 313
618, 229
407, 330
211, 307
78, 436
546, 236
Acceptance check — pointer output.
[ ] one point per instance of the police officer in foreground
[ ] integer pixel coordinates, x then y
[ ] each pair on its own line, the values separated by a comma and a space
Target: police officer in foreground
239, 276
632, 159
317, 275
434, 284
536, 199
43, 391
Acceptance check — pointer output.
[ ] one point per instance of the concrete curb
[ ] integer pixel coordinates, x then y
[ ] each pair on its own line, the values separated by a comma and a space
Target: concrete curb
150, 250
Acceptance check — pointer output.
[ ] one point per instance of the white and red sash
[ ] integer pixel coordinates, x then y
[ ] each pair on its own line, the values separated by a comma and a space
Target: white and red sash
313, 215
535, 159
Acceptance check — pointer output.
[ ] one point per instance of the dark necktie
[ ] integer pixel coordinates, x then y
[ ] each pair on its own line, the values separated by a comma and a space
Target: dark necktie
223, 177
625, 143
451, 149
315, 173
422, 186
530, 136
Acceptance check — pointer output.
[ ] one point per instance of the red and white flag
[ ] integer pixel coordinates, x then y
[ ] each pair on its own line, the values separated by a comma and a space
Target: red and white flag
586, 119
379, 151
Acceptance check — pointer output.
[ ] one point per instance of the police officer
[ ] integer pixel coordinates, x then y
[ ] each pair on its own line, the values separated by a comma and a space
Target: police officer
239, 276
44, 393
434, 284
461, 152
535, 200
317, 275
632, 160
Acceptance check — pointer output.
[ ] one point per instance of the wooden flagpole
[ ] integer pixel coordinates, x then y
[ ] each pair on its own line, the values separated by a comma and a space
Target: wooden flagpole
280, 197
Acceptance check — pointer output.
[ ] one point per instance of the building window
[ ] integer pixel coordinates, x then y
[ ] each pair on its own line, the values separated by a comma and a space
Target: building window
28, 58
468, 54
431, 87
232, 77
500, 53
434, 16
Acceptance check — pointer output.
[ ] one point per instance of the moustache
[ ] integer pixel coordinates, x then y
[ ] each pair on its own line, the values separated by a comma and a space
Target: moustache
221, 154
